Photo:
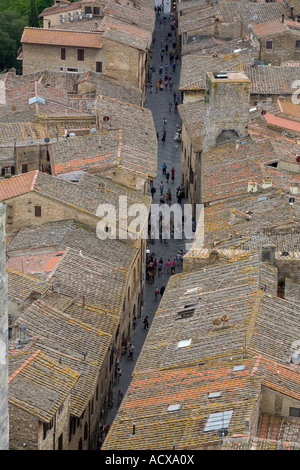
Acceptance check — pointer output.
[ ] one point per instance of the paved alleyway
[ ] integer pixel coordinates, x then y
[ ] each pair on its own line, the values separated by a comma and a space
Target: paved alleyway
169, 153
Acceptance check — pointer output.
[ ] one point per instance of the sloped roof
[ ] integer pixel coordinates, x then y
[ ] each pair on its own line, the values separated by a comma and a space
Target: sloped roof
56, 37
188, 389
38, 384
72, 343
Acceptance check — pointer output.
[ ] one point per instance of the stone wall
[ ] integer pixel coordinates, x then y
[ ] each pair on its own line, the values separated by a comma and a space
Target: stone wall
283, 48
227, 109
4, 419
119, 61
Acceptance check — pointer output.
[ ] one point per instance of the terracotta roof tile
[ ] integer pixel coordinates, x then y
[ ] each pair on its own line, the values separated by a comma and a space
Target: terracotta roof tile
61, 37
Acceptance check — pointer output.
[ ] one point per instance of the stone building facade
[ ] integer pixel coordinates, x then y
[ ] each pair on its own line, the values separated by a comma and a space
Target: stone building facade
4, 418
227, 108
81, 51
277, 41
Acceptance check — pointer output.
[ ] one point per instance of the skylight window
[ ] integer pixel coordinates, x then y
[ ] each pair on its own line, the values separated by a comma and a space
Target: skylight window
189, 291
184, 343
214, 394
237, 368
218, 421
174, 407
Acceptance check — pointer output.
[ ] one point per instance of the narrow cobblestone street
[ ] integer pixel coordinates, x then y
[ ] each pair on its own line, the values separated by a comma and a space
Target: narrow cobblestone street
168, 153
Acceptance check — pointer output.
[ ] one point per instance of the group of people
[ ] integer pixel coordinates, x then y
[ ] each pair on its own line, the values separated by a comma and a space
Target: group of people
159, 267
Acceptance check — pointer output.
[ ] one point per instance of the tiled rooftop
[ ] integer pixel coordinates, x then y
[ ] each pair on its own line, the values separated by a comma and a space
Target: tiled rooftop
150, 396
235, 337
21, 286
227, 170
61, 37
192, 115
274, 27
107, 86
271, 80
195, 67
38, 384
74, 344
85, 195
234, 220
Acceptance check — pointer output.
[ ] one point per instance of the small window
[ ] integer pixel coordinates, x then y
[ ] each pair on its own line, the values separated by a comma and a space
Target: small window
297, 44
99, 67
269, 44
38, 211
24, 168
295, 412
88, 10
63, 53
80, 54
96, 11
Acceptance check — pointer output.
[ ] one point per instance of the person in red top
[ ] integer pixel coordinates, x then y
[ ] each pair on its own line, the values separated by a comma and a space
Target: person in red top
173, 174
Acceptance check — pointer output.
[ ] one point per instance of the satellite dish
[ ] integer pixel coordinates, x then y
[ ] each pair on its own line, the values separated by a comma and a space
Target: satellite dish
93, 130
47, 140
298, 158
72, 134
106, 118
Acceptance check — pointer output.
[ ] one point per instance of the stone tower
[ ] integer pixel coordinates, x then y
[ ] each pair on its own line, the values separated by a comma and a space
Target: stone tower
4, 428
227, 108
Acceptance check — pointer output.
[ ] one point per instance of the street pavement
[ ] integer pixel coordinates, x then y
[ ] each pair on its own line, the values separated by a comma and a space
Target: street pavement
169, 153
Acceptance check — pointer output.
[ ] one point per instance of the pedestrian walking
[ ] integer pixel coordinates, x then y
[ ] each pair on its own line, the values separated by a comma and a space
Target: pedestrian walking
146, 322
167, 176
120, 396
169, 196
162, 290
156, 86
118, 375
159, 267
161, 187
164, 168
153, 191
131, 350
173, 174
174, 96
